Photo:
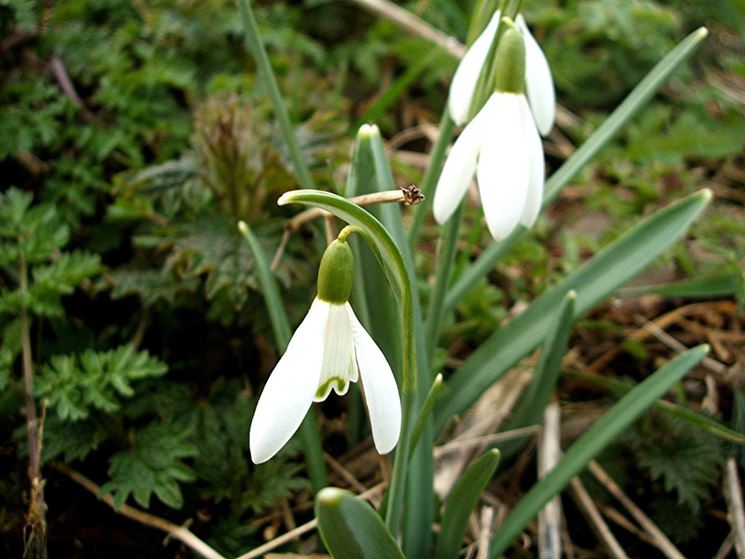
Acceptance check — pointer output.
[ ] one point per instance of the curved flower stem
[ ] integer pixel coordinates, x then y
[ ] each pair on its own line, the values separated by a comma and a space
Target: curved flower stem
392, 261
256, 48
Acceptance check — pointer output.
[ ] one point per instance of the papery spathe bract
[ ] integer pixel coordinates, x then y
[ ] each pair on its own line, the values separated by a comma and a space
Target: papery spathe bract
329, 350
501, 145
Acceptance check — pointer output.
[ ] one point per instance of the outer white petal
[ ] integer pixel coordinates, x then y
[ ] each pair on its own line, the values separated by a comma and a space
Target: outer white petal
503, 169
339, 366
536, 166
539, 82
289, 391
458, 170
379, 385
467, 74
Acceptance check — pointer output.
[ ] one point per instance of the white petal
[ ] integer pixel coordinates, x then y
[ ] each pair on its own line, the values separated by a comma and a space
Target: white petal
379, 385
467, 74
339, 366
458, 171
289, 391
540, 84
503, 168
536, 166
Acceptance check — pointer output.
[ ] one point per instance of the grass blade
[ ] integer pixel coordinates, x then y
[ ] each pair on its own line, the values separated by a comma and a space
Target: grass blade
591, 443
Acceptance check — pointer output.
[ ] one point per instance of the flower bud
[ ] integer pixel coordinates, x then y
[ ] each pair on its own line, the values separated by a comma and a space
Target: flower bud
510, 60
336, 273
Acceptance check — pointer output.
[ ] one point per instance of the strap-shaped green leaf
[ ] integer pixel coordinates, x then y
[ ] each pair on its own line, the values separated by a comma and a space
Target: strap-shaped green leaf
351, 529
461, 503
532, 405
594, 281
591, 443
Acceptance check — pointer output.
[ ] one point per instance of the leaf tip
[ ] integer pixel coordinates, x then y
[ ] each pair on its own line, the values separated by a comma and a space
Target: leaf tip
701, 32
707, 194
286, 198
329, 496
571, 295
367, 131
242, 227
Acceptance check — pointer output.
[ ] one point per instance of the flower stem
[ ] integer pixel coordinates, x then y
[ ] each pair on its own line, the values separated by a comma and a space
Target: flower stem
256, 48
445, 258
436, 160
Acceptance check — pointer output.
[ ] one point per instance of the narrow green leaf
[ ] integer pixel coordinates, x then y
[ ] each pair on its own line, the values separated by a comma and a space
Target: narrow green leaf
698, 420
727, 283
536, 398
630, 106
436, 391
256, 47
591, 443
593, 282
351, 529
309, 433
462, 502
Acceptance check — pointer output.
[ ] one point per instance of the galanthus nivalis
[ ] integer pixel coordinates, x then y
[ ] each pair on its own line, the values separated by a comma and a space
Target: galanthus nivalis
539, 82
502, 146
329, 350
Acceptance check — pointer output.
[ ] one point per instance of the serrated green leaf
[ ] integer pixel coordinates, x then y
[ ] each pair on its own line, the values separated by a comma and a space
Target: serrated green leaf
153, 464
76, 384
351, 529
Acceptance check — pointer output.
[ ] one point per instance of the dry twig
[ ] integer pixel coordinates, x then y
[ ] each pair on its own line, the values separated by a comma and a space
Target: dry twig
735, 509
549, 451
591, 513
181, 533
661, 541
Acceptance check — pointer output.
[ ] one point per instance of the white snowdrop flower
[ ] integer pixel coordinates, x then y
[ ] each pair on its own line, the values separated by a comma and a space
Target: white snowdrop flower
502, 146
328, 350
539, 82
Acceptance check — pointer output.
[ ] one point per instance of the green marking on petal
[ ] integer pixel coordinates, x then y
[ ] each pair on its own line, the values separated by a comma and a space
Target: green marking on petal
339, 384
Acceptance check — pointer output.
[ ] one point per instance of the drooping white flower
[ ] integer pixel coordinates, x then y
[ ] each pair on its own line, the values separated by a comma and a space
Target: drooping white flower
502, 146
539, 82
328, 350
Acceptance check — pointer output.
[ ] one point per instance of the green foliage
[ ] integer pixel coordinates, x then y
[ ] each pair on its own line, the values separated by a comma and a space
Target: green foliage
153, 464
668, 448
77, 384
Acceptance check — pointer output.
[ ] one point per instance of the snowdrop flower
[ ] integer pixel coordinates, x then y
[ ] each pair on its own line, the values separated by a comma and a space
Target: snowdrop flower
502, 146
539, 83
329, 350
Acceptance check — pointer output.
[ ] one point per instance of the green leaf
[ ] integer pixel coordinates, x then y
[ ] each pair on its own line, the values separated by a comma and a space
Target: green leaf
591, 443
153, 464
667, 446
533, 404
698, 420
462, 502
727, 283
593, 282
351, 529
76, 384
